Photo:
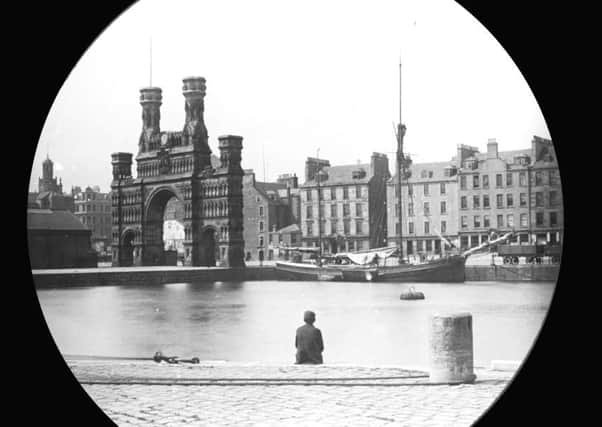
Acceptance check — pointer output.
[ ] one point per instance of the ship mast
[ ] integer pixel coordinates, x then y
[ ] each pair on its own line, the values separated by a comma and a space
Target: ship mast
401, 167
319, 212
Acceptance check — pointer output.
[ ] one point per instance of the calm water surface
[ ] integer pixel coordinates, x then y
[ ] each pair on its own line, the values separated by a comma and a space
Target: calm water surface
362, 323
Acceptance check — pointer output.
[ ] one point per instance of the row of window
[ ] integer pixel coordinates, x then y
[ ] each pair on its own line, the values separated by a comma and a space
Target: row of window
486, 223
553, 200
425, 189
524, 220
482, 181
426, 227
426, 208
309, 210
333, 192
334, 228
423, 246
352, 245
91, 220
92, 208
84, 197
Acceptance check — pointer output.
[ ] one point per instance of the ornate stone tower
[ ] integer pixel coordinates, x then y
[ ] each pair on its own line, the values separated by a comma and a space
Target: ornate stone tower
48, 182
195, 132
231, 173
150, 99
178, 165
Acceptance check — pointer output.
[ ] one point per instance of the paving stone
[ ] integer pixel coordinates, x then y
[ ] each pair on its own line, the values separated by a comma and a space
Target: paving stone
170, 403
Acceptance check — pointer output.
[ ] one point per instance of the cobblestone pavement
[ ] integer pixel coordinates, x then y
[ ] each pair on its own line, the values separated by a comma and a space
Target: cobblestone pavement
141, 393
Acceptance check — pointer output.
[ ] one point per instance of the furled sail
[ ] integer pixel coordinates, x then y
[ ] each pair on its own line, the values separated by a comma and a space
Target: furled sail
368, 257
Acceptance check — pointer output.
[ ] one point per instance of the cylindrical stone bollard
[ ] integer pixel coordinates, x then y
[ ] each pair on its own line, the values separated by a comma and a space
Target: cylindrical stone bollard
450, 341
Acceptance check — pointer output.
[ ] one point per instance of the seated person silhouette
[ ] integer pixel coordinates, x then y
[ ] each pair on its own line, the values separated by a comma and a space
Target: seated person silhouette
308, 341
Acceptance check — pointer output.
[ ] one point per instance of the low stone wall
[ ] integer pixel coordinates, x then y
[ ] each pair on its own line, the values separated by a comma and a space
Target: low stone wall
512, 273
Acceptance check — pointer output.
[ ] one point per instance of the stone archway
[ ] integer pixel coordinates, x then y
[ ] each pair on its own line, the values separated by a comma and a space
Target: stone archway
208, 247
153, 242
180, 163
127, 249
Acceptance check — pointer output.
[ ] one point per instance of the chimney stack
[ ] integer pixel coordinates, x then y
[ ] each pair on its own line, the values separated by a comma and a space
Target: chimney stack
492, 152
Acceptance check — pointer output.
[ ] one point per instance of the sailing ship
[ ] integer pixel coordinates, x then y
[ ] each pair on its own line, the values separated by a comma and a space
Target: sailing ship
371, 265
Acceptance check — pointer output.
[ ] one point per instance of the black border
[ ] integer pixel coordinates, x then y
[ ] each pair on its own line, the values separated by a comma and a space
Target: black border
539, 37
48, 40
55, 36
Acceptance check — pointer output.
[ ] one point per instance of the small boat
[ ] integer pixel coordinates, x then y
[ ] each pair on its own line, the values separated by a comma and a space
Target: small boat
411, 294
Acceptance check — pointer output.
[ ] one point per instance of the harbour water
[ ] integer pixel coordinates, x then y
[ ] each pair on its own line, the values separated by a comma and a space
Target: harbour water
362, 323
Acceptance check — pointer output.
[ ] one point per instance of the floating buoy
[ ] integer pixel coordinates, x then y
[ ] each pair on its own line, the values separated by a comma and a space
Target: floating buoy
411, 294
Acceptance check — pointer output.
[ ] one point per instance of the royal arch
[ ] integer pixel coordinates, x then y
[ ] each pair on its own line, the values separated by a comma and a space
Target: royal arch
177, 167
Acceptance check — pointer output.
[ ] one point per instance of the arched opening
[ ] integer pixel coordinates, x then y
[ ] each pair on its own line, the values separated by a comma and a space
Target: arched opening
173, 232
163, 229
126, 252
207, 247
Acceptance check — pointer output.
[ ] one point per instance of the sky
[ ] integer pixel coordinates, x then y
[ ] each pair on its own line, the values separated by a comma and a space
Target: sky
292, 78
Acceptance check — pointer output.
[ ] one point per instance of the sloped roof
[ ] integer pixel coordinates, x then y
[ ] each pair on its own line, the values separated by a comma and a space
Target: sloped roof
270, 186
293, 228
267, 188
342, 175
438, 169
509, 155
46, 219
43, 195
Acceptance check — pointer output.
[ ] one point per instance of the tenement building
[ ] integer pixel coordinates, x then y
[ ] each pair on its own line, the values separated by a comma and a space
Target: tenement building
477, 194
546, 219
267, 206
429, 209
93, 209
177, 165
344, 207
515, 190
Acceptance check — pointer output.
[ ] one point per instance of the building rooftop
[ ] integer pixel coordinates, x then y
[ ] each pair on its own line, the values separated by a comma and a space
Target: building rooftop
425, 172
343, 175
270, 189
507, 156
46, 219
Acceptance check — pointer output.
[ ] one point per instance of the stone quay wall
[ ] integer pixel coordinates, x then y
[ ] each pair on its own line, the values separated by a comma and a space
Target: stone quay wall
151, 276
512, 273
159, 275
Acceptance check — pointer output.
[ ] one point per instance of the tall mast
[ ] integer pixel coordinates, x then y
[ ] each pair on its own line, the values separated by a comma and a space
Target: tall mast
319, 212
401, 130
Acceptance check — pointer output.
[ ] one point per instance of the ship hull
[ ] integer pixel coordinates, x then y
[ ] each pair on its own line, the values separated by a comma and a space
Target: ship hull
299, 271
445, 270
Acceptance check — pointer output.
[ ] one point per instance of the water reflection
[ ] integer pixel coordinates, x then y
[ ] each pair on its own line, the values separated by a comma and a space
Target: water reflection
255, 321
